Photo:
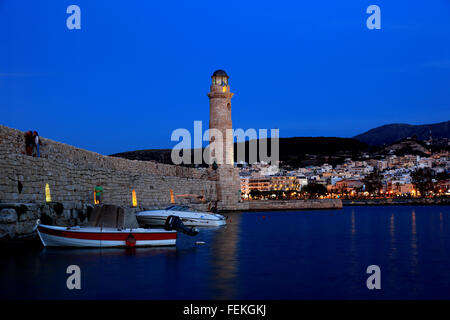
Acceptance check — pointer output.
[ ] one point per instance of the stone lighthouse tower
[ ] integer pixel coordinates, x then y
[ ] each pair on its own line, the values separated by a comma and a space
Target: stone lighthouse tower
228, 184
220, 118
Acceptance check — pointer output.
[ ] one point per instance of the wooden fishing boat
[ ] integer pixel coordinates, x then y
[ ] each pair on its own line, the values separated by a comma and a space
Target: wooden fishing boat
54, 236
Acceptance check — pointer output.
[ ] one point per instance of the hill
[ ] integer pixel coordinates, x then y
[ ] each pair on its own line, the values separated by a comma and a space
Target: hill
158, 155
391, 133
295, 152
406, 146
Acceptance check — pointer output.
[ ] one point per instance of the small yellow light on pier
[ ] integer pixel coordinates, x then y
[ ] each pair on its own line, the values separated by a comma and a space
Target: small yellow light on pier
48, 196
134, 198
172, 199
224, 89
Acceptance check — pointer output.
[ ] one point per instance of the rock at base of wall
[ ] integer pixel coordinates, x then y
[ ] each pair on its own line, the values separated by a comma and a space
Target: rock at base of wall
7, 231
18, 220
8, 215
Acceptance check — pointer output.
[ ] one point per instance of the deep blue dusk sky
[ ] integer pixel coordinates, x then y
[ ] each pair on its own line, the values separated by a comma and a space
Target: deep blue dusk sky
137, 70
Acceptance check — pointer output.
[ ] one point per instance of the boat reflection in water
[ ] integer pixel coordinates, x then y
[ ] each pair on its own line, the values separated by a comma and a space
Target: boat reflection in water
95, 253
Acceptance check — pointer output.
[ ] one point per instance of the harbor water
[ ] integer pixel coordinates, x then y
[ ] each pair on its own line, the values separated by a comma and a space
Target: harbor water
258, 255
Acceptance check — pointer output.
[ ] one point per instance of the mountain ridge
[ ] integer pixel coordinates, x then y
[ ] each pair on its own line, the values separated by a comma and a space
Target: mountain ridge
303, 151
390, 133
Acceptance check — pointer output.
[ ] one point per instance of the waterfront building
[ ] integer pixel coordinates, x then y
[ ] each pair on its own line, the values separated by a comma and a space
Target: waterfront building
406, 188
259, 184
443, 186
245, 188
348, 185
335, 179
302, 181
284, 183
269, 170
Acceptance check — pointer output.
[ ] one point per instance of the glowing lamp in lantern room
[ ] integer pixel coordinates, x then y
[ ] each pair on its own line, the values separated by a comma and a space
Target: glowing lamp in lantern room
134, 198
172, 199
48, 196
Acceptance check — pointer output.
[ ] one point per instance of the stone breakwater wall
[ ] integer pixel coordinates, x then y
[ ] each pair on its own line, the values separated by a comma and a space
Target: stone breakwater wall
72, 173
397, 202
259, 205
18, 220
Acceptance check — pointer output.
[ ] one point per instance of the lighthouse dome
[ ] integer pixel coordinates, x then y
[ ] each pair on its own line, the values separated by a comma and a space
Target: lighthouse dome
220, 78
219, 73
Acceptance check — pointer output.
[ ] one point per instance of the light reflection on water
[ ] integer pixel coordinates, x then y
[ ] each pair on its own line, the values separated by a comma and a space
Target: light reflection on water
224, 250
414, 254
353, 257
258, 255
393, 252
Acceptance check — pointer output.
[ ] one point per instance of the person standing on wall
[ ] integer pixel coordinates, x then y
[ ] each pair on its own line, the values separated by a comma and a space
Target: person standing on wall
37, 143
214, 208
29, 143
98, 194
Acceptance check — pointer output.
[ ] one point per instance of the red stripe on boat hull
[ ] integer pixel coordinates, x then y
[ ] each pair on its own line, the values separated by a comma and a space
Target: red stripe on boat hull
109, 236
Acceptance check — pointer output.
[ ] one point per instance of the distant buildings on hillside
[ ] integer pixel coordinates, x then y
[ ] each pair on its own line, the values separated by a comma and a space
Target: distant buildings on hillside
346, 179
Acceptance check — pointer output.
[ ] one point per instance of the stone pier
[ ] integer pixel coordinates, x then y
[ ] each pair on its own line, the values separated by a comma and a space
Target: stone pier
59, 186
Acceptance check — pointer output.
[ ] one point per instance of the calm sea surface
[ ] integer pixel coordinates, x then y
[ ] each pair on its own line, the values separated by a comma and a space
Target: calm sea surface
258, 255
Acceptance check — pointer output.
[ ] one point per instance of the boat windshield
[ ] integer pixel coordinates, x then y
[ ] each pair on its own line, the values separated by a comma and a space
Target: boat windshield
178, 208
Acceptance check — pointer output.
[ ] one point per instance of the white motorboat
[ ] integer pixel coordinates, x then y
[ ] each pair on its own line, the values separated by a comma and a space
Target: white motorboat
188, 216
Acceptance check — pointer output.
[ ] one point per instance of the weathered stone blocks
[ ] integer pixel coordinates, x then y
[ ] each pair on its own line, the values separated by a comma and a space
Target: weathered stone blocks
8, 215
72, 174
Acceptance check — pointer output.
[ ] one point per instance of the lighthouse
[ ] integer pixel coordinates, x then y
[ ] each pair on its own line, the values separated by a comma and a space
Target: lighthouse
220, 123
228, 184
